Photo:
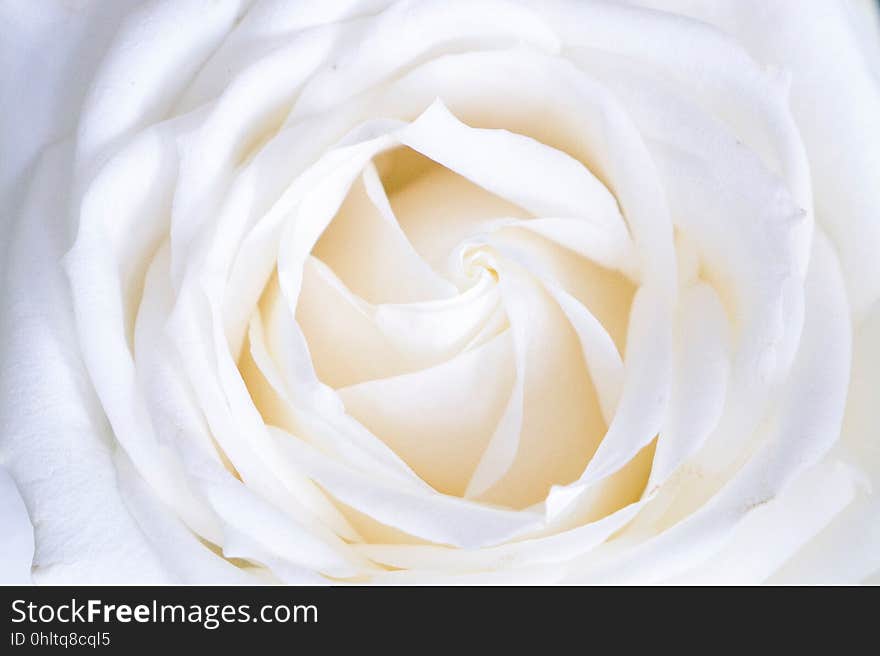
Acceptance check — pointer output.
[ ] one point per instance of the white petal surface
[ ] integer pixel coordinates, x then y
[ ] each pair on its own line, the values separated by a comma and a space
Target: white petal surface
503, 291
17, 543
55, 439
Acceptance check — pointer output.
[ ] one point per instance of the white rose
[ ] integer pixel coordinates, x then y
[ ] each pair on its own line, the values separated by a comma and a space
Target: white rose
485, 291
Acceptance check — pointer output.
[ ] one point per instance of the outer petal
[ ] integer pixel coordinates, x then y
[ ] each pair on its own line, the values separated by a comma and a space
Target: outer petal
16, 534
835, 99
848, 550
52, 431
60, 44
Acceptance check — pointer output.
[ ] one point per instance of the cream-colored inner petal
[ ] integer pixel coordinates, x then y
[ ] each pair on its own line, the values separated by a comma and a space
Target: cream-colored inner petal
460, 317
439, 419
366, 248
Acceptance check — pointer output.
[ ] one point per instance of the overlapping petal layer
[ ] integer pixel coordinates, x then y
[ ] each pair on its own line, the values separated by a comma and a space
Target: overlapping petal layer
398, 292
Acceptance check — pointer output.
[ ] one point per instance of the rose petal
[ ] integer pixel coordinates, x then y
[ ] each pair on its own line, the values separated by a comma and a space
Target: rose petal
836, 103
55, 438
794, 517
404, 33
431, 516
439, 419
508, 165
114, 108
17, 543
807, 425
365, 246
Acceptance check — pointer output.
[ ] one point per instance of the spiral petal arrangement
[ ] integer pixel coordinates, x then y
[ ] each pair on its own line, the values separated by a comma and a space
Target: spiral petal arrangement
425, 291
